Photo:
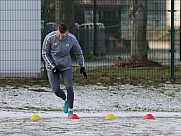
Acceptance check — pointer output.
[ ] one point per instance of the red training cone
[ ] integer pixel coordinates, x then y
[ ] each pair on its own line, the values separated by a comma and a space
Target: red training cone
149, 116
74, 116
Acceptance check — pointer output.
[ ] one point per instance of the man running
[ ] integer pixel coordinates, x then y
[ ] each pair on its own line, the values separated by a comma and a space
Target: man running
56, 54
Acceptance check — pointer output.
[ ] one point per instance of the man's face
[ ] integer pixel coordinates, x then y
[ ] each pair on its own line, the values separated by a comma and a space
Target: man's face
61, 35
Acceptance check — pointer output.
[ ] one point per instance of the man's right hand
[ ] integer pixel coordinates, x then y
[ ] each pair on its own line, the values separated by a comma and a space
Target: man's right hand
56, 70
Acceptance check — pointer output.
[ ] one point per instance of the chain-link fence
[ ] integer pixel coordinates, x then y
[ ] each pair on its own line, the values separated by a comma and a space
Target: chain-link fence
130, 37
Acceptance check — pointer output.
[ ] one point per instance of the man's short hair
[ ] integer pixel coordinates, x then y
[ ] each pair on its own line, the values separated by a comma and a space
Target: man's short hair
63, 28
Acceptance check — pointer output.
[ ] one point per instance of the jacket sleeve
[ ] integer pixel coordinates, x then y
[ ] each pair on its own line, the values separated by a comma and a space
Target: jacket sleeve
79, 54
46, 53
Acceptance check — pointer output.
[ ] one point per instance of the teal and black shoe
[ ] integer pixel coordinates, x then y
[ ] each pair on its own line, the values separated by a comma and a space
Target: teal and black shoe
70, 113
65, 107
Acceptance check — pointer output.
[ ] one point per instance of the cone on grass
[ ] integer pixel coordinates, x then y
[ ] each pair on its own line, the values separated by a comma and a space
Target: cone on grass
74, 116
110, 117
35, 117
149, 116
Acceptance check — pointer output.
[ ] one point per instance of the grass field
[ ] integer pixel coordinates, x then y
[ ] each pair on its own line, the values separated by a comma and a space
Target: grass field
108, 75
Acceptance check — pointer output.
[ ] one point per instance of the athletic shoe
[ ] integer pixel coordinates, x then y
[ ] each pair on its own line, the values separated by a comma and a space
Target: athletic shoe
70, 113
65, 107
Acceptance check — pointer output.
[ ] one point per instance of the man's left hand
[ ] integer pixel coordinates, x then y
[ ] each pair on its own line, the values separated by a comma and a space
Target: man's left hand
82, 71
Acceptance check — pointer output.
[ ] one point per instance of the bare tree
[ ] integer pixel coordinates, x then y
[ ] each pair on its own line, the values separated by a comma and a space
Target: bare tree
138, 14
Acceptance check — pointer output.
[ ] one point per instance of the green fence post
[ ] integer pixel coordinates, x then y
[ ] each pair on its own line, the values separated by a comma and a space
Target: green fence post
180, 31
95, 29
172, 39
45, 32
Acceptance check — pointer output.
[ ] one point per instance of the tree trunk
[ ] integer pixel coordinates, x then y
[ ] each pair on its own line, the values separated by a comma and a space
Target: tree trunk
138, 14
65, 13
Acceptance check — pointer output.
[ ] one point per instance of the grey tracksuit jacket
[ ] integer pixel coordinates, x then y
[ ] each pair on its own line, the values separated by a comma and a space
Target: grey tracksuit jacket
56, 52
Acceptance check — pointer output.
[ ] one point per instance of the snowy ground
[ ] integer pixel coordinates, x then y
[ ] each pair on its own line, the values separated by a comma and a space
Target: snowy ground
92, 103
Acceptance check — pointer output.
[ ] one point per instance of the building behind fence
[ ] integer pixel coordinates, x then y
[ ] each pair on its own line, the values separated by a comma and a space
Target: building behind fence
24, 24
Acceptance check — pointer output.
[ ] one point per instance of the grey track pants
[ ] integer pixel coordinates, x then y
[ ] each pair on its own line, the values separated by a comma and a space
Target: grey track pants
54, 79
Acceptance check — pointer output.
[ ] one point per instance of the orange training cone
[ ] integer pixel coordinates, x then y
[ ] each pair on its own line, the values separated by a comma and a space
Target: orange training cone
74, 116
149, 116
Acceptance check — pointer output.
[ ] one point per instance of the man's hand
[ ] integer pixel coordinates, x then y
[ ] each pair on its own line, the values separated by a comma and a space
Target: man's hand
56, 70
82, 71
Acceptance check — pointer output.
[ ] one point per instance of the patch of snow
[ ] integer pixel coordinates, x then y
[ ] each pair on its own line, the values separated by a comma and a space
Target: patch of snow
92, 103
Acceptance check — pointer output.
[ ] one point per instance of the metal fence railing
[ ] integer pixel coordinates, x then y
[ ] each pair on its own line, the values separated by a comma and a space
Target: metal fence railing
131, 35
